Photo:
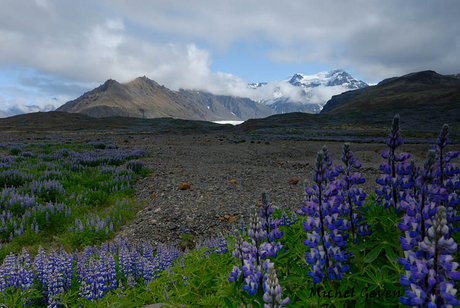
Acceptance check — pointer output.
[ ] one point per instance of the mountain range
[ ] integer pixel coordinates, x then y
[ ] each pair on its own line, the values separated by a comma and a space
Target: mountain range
425, 101
144, 98
414, 91
426, 94
308, 93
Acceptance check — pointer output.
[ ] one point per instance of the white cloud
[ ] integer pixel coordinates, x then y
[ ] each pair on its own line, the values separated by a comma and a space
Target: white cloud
322, 94
20, 105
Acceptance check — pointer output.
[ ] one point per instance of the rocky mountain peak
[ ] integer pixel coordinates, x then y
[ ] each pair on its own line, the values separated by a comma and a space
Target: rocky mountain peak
108, 85
296, 79
309, 94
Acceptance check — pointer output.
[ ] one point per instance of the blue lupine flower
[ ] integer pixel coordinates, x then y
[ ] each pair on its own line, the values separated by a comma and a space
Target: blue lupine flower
256, 231
251, 284
262, 232
394, 170
324, 224
441, 142
272, 288
235, 274
430, 268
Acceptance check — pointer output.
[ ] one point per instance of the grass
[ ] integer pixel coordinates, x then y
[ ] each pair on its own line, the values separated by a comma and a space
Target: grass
86, 191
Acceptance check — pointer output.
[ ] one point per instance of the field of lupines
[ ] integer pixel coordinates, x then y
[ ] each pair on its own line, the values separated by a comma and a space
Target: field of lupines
343, 248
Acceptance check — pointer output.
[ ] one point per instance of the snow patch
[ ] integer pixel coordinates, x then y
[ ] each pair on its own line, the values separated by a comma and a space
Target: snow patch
228, 122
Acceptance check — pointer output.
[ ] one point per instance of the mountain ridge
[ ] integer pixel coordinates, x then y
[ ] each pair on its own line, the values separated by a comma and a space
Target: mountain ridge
424, 88
145, 98
305, 93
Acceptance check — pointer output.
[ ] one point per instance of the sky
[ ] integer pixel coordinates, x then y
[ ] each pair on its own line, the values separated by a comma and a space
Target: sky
52, 51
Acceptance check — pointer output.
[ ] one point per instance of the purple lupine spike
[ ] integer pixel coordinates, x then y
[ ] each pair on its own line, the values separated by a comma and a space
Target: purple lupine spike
238, 244
324, 225
430, 269
423, 182
441, 142
321, 174
354, 197
394, 170
272, 288
250, 253
256, 231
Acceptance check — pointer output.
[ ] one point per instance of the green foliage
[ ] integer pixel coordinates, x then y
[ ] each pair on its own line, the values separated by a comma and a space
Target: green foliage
87, 191
16, 297
15, 151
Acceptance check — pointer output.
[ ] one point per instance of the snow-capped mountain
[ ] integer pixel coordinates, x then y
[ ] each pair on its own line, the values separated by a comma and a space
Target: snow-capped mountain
308, 93
256, 85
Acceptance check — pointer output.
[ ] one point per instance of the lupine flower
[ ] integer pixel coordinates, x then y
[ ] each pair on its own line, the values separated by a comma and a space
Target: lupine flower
324, 226
441, 142
256, 231
235, 274
238, 244
136, 166
272, 288
394, 170
353, 197
430, 268
262, 232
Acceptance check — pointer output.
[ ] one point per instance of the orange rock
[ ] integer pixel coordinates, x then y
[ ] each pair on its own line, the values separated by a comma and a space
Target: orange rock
153, 196
221, 218
231, 219
259, 204
233, 181
293, 181
184, 186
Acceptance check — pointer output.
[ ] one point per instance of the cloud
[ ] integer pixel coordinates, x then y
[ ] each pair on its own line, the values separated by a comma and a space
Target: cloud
394, 36
106, 49
322, 94
20, 105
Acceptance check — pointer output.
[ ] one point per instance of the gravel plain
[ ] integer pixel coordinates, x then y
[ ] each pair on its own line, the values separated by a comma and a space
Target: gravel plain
226, 180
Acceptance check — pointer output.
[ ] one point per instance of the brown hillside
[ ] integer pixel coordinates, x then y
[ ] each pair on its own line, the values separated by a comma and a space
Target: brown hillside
144, 98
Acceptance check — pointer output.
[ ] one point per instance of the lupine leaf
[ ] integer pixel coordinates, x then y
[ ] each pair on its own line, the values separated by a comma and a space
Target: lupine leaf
291, 278
390, 254
364, 245
373, 254
363, 279
228, 302
297, 268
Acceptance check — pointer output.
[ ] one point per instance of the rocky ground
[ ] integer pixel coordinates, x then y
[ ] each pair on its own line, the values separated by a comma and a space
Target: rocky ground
226, 180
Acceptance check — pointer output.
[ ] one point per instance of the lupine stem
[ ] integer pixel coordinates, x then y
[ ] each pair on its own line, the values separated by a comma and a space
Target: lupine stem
351, 206
422, 206
322, 224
